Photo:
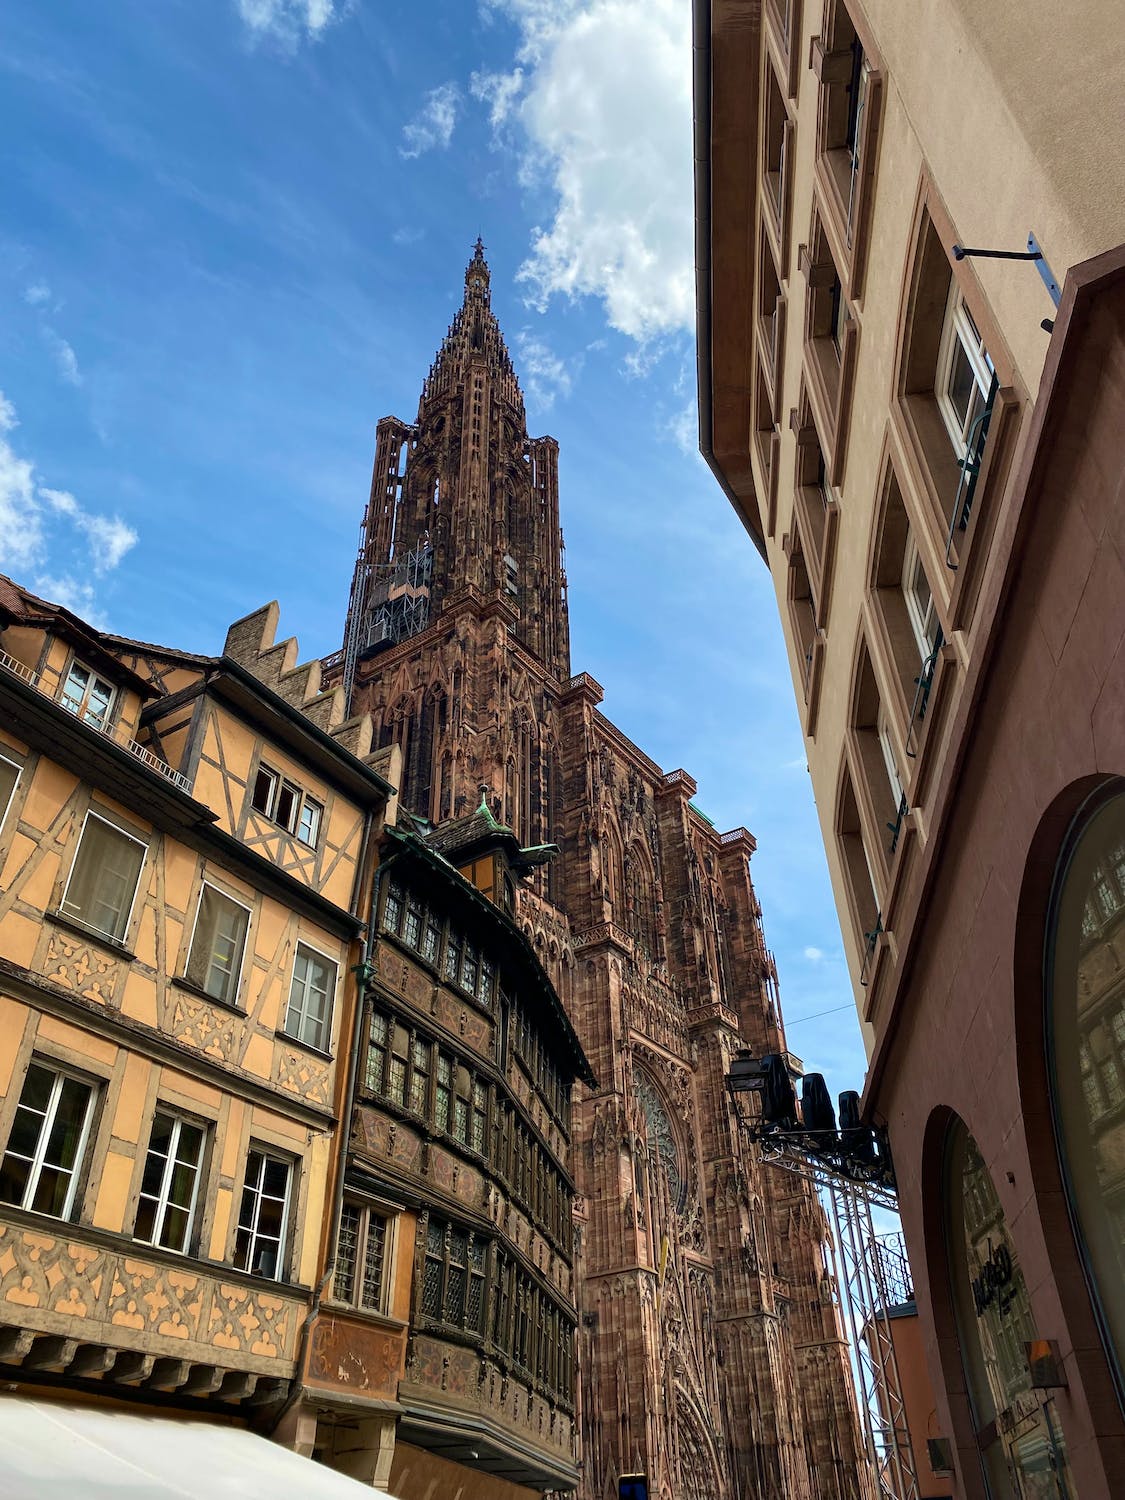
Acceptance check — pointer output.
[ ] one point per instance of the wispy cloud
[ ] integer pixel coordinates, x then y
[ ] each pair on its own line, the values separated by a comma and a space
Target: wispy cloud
109, 536
47, 536
684, 429
500, 91
287, 21
432, 127
612, 147
65, 358
38, 295
545, 375
814, 955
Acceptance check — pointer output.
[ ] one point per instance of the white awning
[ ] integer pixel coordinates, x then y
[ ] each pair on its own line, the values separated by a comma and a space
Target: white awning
50, 1451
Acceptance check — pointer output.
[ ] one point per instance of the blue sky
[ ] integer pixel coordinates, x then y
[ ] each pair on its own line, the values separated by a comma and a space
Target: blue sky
232, 235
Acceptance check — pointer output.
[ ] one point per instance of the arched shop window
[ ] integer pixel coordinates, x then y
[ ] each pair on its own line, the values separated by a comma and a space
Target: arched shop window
1017, 1426
1085, 972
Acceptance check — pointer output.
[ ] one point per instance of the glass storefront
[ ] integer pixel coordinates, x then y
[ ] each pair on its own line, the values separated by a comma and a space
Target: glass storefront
1018, 1428
1086, 1034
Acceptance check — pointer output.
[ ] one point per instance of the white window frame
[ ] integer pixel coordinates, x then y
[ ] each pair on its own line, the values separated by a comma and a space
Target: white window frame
310, 803
18, 768
890, 760
911, 561
232, 999
73, 916
959, 331
330, 1016
271, 801
60, 1075
390, 1213
301, 799
82, 712
165, 1182
267, 1155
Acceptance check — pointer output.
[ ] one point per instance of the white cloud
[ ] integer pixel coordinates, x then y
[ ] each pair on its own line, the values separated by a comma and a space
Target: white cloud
545, 375
44, 526
21, 529
814, 955
602, 91
684, 427
61, 500
38, 293
65, 357
109, 536
407, 235
287, 21
72, 594
432, 126
499, 91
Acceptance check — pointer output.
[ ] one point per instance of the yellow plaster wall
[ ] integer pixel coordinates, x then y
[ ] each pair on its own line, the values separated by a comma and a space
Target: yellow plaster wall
24, 643
139, 983
13, 1017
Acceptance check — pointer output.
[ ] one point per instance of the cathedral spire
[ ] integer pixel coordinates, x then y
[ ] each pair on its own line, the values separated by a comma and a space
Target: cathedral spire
462, 499
473, 334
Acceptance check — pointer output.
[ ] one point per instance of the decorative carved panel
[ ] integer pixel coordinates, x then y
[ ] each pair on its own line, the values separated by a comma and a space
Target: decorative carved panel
349, 1354
55, 1283
82, 967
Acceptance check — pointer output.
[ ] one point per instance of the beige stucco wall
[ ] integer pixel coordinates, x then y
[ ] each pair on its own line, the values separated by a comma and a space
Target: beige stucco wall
984, 97
1017, 108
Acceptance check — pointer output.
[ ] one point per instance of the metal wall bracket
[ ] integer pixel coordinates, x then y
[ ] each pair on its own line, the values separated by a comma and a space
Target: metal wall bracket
1033, 252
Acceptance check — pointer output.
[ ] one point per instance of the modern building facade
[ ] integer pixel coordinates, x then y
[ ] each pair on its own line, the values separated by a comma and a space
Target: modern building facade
709, 1352
924, 448
186, 857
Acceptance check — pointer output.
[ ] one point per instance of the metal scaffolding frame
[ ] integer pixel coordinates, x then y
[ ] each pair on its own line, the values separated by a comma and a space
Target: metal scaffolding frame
871, 1281
388, 602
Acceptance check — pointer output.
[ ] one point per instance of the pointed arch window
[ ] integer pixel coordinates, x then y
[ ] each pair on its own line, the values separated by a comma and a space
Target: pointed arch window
641, 903
664, 1153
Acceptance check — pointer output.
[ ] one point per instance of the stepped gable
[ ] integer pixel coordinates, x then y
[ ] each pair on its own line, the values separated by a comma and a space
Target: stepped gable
251, 642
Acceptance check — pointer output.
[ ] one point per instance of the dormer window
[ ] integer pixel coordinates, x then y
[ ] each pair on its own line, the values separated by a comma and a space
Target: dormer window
87, 696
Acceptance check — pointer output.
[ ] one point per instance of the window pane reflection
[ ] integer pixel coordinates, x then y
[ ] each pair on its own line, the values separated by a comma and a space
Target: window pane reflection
1087, 1025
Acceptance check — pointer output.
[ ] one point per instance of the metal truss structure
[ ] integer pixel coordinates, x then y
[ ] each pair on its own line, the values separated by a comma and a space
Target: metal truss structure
873, 1278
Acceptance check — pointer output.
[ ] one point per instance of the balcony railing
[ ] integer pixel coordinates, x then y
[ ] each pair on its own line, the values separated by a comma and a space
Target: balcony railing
895, 828
923, 684
109, 732
870, 940
970, 467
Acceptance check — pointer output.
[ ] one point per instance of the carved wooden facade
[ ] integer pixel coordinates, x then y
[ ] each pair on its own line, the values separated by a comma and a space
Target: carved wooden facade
463, 1120
709, 1347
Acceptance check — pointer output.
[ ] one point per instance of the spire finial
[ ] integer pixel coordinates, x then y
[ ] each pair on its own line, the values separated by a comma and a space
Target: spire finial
476, 275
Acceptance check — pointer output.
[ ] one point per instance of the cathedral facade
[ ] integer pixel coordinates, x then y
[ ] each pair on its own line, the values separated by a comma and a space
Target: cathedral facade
710, 1352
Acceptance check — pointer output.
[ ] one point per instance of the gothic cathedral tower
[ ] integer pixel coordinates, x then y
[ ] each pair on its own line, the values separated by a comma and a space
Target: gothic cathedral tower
710, 1350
